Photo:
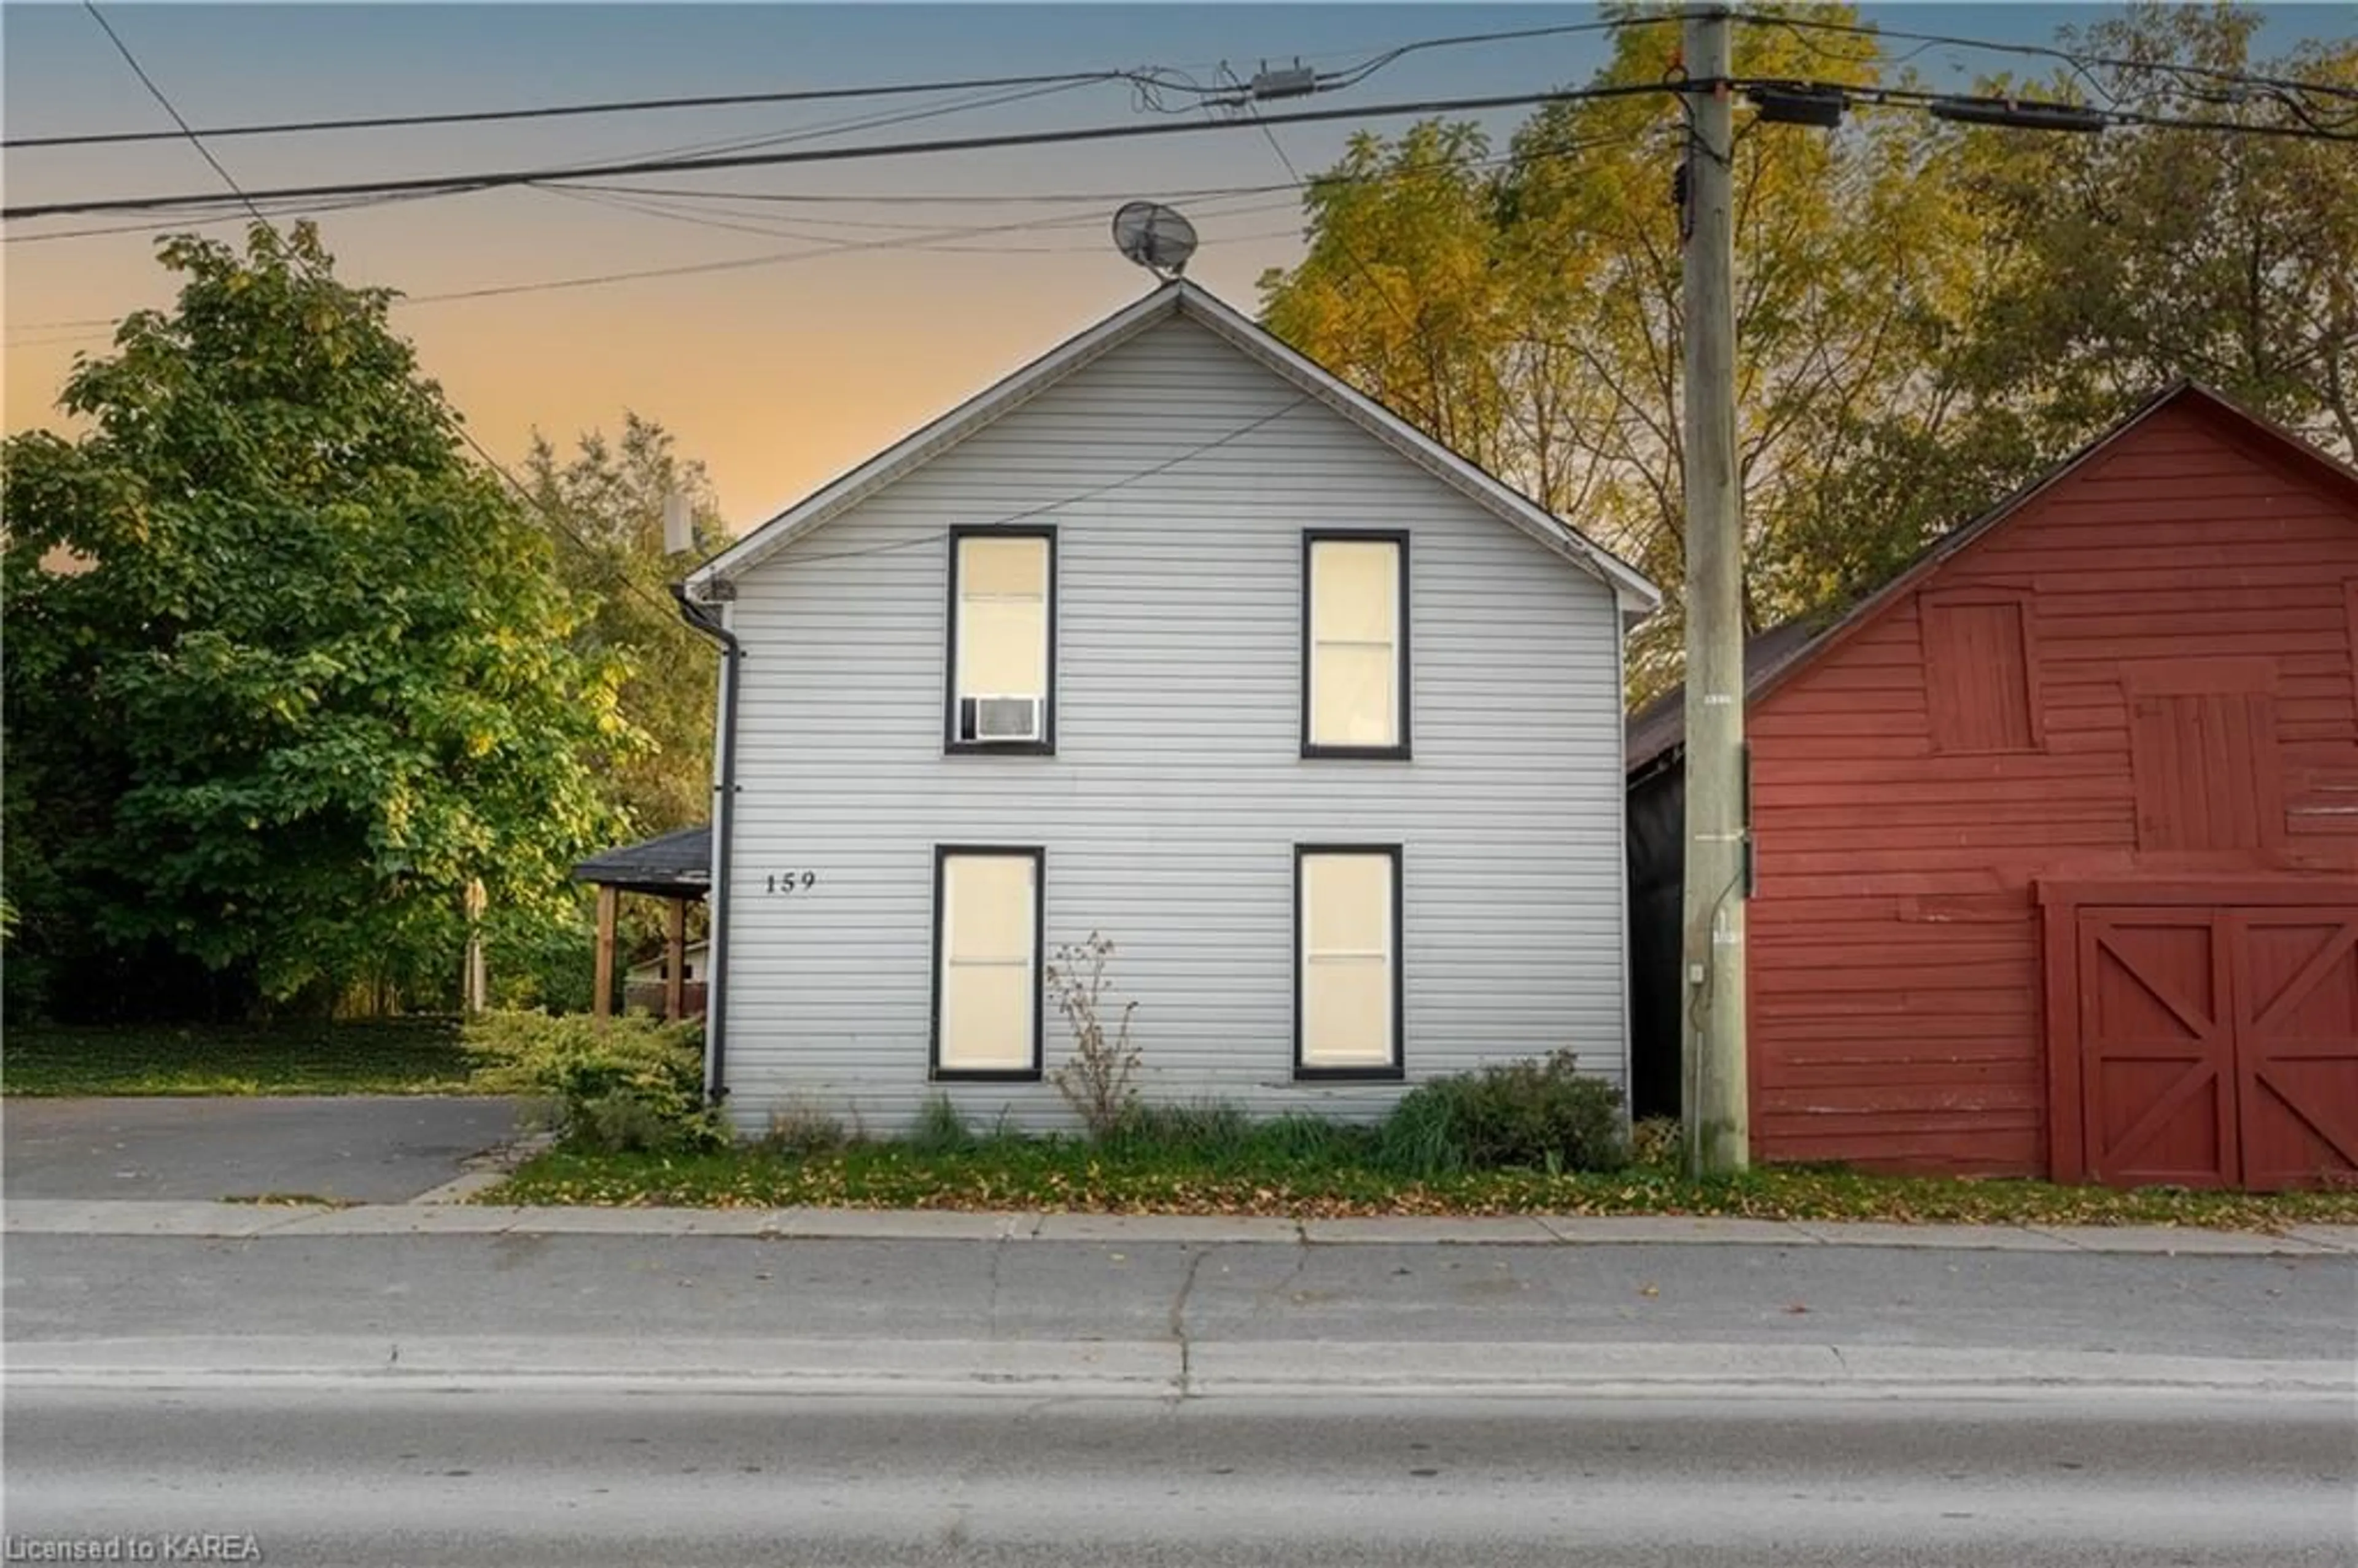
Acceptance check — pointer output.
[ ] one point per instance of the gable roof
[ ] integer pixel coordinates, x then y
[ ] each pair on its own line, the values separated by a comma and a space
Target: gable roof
1656, 733
1180, 299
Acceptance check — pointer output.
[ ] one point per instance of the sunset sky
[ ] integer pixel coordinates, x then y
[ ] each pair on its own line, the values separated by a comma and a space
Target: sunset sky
781, 373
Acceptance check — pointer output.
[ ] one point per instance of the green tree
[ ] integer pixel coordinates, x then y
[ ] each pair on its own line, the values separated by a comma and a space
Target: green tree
1927, 314
2110, 267
316, 674
1548, 331
610, 498
2148, 253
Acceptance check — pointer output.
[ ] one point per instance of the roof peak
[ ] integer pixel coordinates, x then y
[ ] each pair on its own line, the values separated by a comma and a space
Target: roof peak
1180, 297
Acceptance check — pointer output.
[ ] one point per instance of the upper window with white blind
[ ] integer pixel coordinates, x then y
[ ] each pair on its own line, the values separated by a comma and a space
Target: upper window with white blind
987, 980
1347, 987
1003, 640
1355, 666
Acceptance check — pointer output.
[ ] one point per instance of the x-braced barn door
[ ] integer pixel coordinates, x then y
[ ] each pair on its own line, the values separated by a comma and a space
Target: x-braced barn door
2156, 1047
2296, 983
2219, 1046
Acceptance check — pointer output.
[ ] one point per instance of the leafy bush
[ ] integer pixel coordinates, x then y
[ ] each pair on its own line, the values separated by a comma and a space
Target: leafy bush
1543, 1115
939, 1129
624, 1085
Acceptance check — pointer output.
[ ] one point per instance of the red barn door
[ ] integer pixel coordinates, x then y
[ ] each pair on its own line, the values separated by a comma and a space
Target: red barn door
2215, 1045
2157, 1043
2297, 1044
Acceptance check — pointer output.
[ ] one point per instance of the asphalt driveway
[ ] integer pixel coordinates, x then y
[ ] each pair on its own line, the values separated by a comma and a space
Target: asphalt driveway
356, 1147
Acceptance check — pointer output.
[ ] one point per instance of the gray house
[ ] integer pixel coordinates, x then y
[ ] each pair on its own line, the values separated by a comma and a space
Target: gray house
1171, 636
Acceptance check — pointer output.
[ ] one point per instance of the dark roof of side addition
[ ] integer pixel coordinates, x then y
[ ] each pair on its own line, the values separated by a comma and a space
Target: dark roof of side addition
1661, 724
673, 864
1657, 731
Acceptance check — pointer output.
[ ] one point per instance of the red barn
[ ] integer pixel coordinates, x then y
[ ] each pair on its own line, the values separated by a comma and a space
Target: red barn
2057, 835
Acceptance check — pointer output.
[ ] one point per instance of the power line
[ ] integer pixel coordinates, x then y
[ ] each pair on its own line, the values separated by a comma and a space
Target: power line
923, 237
156, 92
1914, 98
196, 222
611, 106
492, 180
2048, 51
823, 128
496, 179
870, 121
1154, 78
1356, 75
1192, 453
921, 240
1093, 218
1415, 327
690, 193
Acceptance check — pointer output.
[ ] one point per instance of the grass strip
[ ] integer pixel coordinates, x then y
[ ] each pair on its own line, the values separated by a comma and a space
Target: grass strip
1072, 1175
397, 1056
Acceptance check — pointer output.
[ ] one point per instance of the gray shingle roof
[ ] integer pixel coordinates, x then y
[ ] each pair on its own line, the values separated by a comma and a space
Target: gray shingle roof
1661, 724
671, 863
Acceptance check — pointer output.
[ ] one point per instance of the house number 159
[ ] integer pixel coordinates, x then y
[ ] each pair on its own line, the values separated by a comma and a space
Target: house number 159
791, 882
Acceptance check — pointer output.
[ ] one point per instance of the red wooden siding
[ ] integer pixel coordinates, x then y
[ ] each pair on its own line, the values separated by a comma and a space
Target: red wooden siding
2144, 671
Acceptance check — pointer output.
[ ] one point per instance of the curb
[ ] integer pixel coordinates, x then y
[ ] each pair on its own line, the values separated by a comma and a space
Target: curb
1158, 1370
481, 1172
437, 1213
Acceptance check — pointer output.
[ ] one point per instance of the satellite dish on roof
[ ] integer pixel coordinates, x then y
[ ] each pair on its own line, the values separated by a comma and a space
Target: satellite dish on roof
1155, 236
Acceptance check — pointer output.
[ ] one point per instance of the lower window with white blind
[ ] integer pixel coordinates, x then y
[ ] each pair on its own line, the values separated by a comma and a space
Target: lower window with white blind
987, 976
1346, 1011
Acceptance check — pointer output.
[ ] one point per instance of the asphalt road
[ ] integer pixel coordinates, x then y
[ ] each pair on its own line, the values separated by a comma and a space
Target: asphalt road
585, 1479
353, 1148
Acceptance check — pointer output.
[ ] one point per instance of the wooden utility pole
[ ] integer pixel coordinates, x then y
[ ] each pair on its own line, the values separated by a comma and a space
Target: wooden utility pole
1717, 1115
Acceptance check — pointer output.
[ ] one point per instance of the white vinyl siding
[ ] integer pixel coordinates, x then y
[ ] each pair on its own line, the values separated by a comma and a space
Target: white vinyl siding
1002, 624
990, 979
1349, 948
1355, 642
1177, 795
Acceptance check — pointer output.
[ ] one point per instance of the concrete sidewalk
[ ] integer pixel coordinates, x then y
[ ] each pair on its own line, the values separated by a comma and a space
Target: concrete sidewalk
41, 1216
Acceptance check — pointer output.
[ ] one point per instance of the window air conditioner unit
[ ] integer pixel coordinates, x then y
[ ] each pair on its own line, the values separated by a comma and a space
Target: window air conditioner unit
1000, 718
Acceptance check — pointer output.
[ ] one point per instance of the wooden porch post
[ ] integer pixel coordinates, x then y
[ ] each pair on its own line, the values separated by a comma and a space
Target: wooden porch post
676, 963
603, 1007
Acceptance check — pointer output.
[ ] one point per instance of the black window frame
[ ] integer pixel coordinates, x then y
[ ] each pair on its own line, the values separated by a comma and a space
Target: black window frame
1038, 856
1398, 538
951, 740
1397, 1070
